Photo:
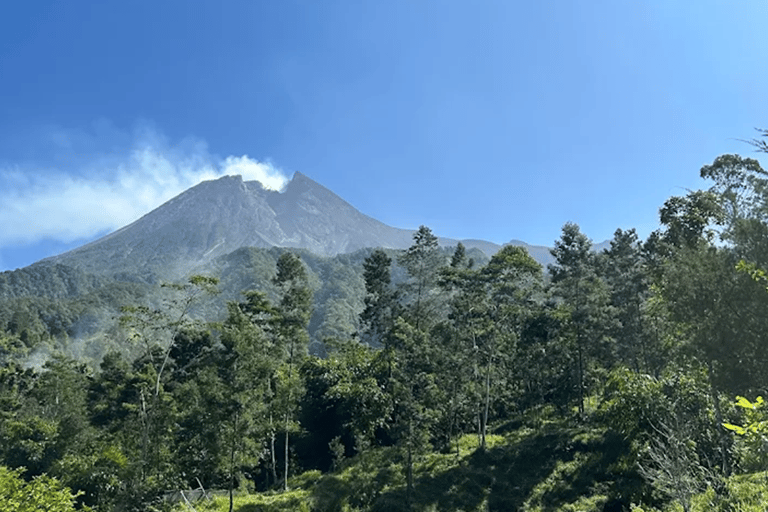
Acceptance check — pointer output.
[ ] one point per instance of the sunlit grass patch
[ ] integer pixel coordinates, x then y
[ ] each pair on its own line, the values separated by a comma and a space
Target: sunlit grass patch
744, 493
468, 443
552, 464
564, 487
298, 500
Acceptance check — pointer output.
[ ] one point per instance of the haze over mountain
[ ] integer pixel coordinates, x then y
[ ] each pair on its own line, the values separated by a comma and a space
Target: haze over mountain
217, 217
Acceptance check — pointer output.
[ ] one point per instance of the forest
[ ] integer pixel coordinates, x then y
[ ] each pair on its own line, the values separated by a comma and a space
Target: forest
624, 379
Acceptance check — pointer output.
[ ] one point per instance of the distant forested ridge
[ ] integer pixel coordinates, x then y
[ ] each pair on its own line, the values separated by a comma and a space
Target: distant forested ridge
50, 305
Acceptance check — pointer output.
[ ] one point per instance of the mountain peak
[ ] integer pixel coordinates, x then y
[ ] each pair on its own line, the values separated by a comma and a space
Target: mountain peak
219, 216
301, 182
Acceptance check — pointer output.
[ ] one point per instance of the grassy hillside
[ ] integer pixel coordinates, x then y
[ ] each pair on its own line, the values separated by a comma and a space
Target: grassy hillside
535, 466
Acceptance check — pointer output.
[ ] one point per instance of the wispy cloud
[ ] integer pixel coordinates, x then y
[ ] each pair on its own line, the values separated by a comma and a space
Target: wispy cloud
106, 191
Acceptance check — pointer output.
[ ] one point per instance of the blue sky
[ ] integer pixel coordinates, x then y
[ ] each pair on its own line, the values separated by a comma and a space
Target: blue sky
496, 120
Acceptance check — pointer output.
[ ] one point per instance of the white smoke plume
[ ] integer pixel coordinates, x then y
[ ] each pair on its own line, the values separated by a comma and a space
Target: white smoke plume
107, 191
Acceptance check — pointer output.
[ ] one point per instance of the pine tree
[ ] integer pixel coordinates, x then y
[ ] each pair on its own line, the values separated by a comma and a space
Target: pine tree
381, 300
629, 282
421, 295
590, 318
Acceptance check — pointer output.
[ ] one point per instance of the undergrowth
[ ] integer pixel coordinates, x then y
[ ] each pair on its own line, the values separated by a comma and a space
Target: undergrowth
550, 464
558, 464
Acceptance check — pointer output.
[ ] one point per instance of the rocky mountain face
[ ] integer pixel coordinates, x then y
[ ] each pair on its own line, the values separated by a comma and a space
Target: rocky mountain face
217, 217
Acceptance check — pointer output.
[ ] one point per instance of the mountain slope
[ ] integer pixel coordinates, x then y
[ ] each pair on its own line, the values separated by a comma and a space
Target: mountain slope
217, 217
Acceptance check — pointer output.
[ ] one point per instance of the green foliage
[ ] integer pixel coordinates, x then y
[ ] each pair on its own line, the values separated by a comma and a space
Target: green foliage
589, 319
624, 268
29, 442
37, 314
743, 493
41, 493
381, 306
756, 423
721, 315
294, 312
689, 219
752, 440
344, 401
10, 348
98, 473
637, 406
571, 471
671, 464
295, 308
543, 363
244, 392
295, 500
756, 273
420, 294
741, 188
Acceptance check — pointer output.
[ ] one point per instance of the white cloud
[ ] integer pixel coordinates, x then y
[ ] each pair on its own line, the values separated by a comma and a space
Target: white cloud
111, 190
269, 177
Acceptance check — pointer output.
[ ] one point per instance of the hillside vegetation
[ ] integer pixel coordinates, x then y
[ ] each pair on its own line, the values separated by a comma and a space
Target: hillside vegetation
53, 307
424, 379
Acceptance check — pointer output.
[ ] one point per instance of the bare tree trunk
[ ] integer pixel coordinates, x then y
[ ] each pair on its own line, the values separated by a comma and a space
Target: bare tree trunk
580, 374
487, 401
272, 450
409, 474
719, 421
285, 482
145, 426
458, 446
476, 377
580, 350
454, 423
288, 415
232, 462
479, 422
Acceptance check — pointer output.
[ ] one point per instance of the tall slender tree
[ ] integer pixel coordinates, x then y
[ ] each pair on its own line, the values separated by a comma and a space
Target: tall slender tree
628, 281
158, 329
590, 318
381, 300
512, 280
247, 363
421, 294
295, 310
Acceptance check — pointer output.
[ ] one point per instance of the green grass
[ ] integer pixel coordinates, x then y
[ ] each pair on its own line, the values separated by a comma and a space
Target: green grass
297, 500
540, 462
743, 493
555, 465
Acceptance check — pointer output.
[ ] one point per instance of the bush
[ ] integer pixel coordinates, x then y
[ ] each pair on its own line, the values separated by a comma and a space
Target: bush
42, 493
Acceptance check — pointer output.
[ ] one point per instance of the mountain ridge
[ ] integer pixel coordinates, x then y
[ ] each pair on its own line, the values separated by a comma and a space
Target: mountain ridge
216, 217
